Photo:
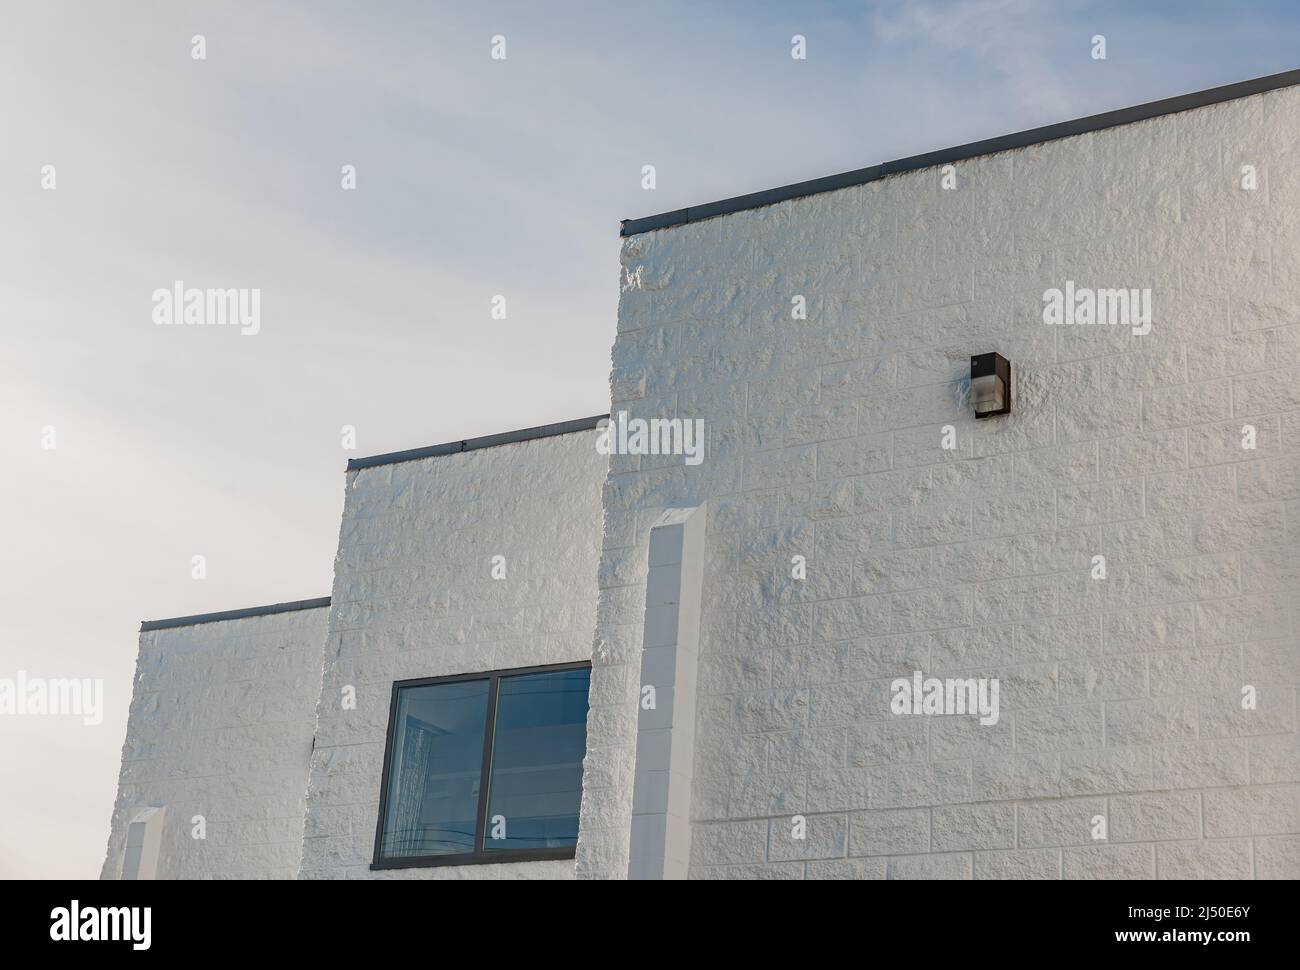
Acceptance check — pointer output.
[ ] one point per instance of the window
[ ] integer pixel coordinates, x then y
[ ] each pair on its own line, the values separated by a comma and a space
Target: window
484, 768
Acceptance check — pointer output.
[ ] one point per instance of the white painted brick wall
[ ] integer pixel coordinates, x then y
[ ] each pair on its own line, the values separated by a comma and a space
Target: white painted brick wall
1119, 697
221, 724
414, 597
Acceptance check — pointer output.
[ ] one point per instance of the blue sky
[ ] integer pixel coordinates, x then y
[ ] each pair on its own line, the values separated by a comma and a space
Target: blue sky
475, 177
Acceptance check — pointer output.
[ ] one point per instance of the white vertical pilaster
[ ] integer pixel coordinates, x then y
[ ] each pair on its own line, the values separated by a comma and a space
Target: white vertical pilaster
665, 742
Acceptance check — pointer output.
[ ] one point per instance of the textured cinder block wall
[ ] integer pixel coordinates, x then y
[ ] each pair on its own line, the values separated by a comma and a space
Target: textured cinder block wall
1119, 697
414, 597
221, 724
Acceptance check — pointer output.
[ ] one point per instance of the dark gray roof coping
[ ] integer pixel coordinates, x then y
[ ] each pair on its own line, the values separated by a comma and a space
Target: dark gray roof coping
147, 625
989, 146
473, 444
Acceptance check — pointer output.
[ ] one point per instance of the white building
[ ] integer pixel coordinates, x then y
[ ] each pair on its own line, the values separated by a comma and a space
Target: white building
567, 663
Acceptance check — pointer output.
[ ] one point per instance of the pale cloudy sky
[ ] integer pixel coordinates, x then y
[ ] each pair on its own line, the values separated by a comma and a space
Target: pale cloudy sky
475, 177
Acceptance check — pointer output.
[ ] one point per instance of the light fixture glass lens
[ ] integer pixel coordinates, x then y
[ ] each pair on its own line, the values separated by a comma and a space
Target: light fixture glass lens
987, 394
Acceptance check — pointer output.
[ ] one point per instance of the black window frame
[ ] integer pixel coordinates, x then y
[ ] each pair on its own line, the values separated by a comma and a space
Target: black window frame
479, 856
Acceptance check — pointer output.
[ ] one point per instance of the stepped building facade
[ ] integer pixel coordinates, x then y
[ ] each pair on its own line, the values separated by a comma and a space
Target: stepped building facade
945, 523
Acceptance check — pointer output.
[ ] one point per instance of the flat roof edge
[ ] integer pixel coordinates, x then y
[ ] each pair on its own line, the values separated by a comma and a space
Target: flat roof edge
474, 444
943, 156
291, 607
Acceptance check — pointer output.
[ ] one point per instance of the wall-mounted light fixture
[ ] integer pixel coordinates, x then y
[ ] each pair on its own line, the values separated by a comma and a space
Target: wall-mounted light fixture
990, 385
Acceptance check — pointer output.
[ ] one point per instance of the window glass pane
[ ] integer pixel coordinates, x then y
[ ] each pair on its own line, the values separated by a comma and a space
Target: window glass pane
536, 776
437, 758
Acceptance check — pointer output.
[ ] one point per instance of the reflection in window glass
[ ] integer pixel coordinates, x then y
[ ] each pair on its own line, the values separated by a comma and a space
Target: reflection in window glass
536, 773
436, 761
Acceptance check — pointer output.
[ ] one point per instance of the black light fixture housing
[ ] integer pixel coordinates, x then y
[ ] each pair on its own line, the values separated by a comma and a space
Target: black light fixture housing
990, 385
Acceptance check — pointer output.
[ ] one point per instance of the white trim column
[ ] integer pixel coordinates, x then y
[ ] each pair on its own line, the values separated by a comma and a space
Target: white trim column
665, 739
143, 844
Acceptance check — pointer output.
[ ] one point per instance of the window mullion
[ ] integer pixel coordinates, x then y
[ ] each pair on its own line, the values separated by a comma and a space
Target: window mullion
485, 770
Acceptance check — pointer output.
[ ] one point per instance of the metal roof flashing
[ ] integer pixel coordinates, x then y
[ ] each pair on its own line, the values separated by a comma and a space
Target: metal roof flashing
250, 611
474, 444
944, 156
